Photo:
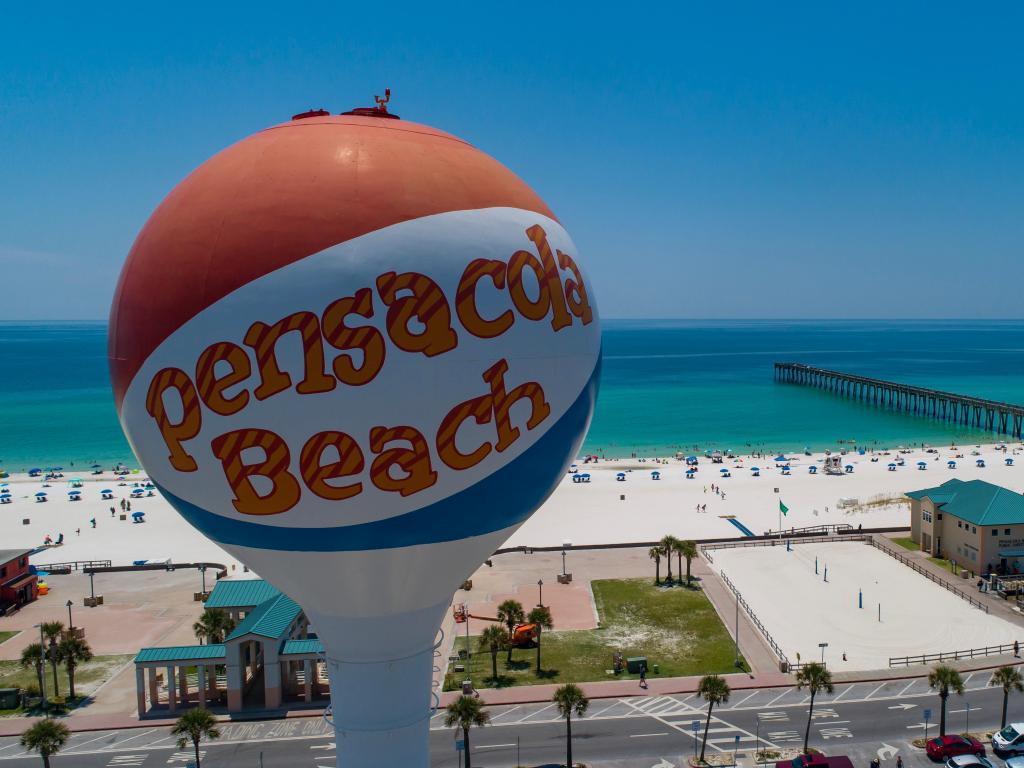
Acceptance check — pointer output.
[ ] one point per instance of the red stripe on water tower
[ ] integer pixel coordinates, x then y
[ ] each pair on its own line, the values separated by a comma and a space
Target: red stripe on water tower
281, 195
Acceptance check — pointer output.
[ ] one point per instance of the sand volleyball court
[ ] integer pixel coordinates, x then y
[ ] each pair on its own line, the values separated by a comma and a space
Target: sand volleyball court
800, 609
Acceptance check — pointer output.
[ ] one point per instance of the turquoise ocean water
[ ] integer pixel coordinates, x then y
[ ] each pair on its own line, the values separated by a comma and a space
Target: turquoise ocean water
666, 385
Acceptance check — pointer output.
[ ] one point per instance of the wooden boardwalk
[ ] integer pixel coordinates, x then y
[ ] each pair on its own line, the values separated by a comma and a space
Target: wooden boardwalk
989, 415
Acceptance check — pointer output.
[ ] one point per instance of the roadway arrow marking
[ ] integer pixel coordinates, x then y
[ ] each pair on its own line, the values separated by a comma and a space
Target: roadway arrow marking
328, 745
886, 751
663, 763
901, 705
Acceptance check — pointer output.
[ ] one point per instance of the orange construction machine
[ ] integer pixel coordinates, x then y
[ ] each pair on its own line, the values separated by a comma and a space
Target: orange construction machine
523, 635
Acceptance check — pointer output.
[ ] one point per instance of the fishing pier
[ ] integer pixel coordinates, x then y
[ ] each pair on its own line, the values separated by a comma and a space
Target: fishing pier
990, 415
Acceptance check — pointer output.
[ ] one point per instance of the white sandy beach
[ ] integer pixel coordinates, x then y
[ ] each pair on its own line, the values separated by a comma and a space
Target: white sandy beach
581, 513
800, 610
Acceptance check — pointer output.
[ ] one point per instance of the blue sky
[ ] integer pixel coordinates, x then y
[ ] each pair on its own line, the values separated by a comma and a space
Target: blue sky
727, 160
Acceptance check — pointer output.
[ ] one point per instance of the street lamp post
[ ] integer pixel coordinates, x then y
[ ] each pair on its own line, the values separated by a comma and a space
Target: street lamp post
563, 562
202, 570
540, 592
71, 624
823, 646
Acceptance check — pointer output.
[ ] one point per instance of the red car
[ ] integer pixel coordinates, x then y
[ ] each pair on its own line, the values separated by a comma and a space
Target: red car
945, 747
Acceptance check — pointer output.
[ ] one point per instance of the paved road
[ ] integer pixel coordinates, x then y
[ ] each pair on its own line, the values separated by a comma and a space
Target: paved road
642, 732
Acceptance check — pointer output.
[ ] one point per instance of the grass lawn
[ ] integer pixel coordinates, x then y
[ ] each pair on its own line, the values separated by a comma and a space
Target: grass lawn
5, 636
88, 676
947, 564
907, 543
677, 629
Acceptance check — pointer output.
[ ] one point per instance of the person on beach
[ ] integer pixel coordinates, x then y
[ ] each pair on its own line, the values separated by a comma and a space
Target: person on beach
899, 761
643, 676
93, 522
112, 511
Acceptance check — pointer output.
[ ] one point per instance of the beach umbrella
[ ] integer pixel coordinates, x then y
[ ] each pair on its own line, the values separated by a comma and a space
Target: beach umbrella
724, 469
137, 515
755, 469
780, 457
106, 490
41, 493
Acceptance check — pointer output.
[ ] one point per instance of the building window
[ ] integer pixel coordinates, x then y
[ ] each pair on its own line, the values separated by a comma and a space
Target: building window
974, 529
3, 572
21, 563
926, 516
995, 531
1008, 532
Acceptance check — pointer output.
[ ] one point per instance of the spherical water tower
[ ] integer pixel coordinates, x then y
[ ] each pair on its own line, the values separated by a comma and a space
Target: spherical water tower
357, 353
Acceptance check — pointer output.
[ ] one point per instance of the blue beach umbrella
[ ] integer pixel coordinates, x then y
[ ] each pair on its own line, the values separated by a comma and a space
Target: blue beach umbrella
41, 493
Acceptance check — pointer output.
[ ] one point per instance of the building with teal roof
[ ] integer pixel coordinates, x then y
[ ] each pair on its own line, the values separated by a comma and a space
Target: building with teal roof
269, 660
978, 525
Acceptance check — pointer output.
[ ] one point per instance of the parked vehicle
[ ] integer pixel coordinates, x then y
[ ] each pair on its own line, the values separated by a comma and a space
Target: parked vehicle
945, 747
969, 761
1010, 740
816, 761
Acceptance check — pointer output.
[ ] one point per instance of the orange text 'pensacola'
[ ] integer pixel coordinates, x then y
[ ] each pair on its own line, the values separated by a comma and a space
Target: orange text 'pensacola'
409, 297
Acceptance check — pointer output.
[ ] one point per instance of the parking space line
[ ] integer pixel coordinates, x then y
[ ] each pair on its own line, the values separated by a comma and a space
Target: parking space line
868, 697
507, 711
602, 711
542, 709
72, 747
778, 697
909, 686
846, 690
740, 703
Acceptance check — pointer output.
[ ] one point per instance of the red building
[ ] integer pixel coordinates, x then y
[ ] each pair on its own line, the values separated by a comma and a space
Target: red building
17, 585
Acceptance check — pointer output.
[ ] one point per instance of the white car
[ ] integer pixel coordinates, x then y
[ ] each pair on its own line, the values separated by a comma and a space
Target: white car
1010, 740
968, 761
1015, 762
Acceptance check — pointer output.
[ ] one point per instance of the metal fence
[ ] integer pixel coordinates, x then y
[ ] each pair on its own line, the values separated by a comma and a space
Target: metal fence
811, 530
74, 565
741, 543
928, 574
970, 653
753, 618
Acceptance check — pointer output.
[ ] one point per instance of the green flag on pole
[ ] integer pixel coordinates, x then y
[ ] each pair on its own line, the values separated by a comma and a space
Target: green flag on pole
782, 507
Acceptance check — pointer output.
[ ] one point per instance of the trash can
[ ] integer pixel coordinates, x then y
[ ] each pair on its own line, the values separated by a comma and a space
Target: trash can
9, 698
635, 663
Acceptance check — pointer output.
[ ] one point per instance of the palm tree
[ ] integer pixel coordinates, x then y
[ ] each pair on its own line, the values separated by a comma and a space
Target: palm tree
714, 690
465, 712
213, 625
47, 737
541, 616
945, 679
73, 651
511, 613
52, 630
814, 677
194, 726
655, 554
33, 655
570, 700
493, 639
667, 543
1010, 679
687, 549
